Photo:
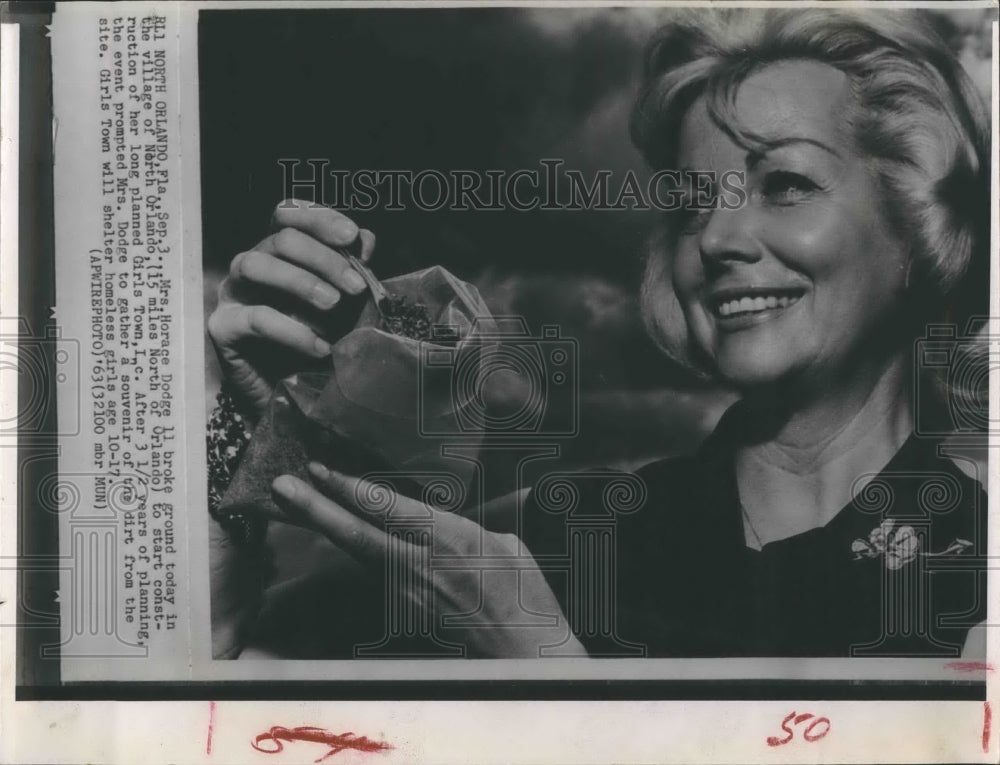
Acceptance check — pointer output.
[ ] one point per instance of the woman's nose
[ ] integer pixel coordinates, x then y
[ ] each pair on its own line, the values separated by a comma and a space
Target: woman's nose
728, 235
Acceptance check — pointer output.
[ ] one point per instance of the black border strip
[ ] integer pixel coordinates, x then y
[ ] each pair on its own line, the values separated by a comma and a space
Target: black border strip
38, 533
515, 690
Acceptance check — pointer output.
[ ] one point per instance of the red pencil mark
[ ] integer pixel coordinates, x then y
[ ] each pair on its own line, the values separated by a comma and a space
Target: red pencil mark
336, 742
211, 726
969, 666
775, 741
807, 734
987, 724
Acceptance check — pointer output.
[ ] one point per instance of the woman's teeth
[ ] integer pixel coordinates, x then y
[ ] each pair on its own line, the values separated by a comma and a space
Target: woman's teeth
754, 304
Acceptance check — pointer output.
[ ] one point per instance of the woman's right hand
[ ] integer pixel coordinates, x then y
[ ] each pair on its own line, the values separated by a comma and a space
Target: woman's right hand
265, 322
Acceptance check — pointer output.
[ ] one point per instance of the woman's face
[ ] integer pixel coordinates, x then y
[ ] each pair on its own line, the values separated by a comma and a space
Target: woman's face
797, 283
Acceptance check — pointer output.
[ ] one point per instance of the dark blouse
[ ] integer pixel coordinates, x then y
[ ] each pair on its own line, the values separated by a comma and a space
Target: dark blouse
655, 563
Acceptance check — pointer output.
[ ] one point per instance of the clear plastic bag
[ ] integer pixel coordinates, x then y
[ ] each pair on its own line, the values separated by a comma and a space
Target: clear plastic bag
379, 408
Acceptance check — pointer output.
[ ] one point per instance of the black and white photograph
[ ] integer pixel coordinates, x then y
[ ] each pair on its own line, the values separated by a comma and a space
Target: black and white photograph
735, 400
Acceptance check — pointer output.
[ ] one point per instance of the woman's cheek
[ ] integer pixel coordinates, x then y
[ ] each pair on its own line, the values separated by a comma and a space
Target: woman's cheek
808, 242
689, 287
686, 273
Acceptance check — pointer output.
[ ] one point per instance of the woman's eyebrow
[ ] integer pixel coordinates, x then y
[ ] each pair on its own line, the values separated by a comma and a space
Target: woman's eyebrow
754, 156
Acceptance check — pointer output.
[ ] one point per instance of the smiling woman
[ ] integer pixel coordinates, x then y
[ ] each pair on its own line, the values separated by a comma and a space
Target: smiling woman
812, 519
821, 517
813, 235
864, 152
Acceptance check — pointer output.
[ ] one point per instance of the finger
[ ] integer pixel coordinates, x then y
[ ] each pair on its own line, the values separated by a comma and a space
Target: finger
325, 224
270, 271
303, 250
371, 500
358, 538
232, 324
356, 495
367, 244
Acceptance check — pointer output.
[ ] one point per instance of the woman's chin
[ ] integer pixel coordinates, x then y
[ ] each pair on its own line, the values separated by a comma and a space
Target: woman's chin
745, 372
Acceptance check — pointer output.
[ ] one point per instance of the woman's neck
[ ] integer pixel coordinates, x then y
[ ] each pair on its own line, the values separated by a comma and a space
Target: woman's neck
802, 459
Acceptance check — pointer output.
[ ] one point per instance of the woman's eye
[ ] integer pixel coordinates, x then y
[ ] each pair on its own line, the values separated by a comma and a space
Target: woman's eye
782, 187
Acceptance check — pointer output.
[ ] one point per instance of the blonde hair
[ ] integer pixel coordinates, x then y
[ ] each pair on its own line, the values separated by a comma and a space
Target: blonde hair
916, 116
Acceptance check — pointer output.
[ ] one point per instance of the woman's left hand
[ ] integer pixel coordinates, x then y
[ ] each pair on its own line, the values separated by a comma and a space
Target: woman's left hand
493, 603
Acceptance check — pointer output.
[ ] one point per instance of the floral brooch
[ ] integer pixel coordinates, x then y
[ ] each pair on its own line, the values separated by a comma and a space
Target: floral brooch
899, 545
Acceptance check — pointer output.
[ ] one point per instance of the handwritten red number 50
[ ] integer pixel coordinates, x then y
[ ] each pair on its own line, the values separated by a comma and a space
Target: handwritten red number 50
818, 728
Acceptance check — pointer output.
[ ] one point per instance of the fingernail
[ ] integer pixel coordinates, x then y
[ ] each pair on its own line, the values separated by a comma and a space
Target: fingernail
322, 347
324, 296
284, 485
318, 470
354, 283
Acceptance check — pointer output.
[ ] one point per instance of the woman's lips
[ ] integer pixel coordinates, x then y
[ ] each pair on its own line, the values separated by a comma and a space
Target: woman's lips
756, 304
735, 311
